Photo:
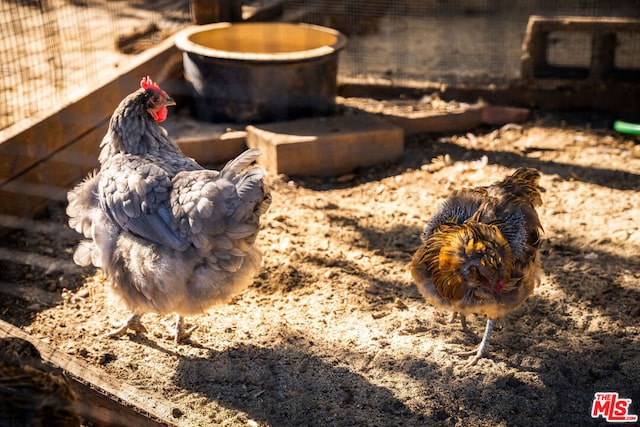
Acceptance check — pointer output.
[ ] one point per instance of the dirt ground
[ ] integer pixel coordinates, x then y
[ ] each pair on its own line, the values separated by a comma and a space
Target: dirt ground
334, 333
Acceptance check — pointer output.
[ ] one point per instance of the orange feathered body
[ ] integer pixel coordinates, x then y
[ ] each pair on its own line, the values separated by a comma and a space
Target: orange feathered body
480, 251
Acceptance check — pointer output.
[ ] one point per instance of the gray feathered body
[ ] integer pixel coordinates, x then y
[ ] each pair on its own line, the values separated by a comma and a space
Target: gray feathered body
170, 235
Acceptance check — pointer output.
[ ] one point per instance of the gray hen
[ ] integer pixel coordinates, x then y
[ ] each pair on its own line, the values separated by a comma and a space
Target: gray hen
171, 236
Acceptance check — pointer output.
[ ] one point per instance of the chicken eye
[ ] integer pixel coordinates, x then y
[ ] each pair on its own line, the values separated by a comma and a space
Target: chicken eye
153, 101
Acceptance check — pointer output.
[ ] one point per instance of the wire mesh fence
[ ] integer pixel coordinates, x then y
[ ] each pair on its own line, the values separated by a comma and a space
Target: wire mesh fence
456, 42
55, 50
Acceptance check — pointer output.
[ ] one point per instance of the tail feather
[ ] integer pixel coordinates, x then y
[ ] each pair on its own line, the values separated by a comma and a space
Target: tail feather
82, 201
241, 231
251, 192
523, 183
235, 166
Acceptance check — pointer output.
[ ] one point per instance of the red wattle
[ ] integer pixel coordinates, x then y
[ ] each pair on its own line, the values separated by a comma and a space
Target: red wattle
161, 116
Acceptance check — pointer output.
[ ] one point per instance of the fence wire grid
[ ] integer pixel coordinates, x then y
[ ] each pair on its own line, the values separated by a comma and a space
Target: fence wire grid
55, 50
460, 41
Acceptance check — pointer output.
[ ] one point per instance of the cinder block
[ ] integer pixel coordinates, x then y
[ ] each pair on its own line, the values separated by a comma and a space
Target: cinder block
497, 115
325, 146
605, 45
207, 143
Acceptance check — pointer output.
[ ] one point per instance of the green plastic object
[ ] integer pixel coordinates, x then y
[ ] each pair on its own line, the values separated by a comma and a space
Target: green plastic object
626, 127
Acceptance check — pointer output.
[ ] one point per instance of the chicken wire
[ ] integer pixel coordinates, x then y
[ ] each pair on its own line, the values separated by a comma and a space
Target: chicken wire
55, 50
470, 42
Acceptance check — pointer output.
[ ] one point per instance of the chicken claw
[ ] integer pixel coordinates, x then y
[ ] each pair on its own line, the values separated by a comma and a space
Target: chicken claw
483, 348
179, 332
133, 323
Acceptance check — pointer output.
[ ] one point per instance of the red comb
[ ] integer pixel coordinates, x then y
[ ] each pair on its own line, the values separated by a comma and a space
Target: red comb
147, 83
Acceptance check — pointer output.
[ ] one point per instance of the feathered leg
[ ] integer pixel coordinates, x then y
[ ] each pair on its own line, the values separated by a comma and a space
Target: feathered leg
483, 348
132, 322
179, 332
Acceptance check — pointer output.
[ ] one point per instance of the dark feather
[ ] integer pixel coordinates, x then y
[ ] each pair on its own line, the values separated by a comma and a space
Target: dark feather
479, 251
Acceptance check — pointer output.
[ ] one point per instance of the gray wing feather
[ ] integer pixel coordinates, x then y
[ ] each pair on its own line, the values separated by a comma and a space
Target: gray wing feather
213, 209
134, 195
236, 165
250, 191
178, 209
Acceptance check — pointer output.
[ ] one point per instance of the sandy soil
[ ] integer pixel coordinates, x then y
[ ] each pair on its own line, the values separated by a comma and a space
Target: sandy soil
334, 333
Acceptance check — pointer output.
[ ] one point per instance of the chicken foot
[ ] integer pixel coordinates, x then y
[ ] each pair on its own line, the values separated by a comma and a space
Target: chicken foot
179, 332
483, 349
132, 322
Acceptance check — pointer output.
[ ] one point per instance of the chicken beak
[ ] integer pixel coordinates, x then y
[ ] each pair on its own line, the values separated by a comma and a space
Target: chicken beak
169, 102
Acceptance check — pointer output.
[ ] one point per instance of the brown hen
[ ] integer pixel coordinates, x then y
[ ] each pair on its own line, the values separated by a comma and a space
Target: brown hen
480, 251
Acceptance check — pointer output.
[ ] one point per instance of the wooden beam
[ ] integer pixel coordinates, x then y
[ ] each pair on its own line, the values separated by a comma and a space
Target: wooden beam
102, 399
47, 263
31, 294
579, 96
52, 228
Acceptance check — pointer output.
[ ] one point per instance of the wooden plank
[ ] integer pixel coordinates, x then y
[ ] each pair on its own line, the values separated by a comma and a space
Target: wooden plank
50, 179
438, 122
325, 146
208, 143
25, 147
583, 23
47, 263
14, 201
213, 149
518, 93
30, 294
43, 227
102, 399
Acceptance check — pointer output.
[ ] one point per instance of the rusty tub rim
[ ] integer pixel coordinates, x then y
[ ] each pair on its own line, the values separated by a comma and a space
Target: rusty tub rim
331, 41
